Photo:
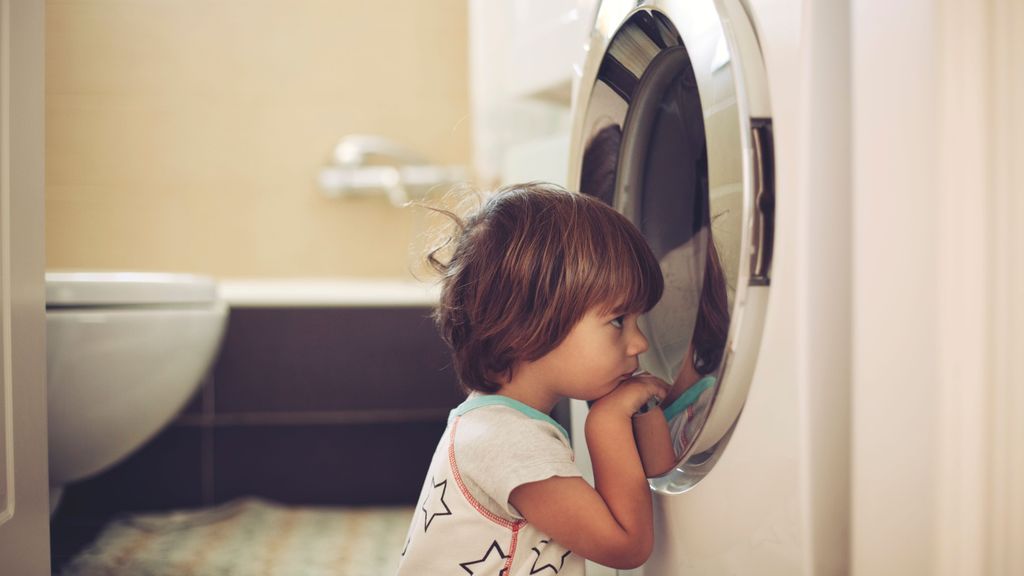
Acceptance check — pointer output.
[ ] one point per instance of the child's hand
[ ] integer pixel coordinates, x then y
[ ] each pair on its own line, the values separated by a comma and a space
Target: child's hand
653, 441
629, 396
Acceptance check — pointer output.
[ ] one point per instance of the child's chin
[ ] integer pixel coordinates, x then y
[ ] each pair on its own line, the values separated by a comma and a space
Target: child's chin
598, 395
593, 398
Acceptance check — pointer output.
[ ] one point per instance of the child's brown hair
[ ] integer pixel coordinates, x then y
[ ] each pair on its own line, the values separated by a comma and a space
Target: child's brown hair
524, 270
712, 327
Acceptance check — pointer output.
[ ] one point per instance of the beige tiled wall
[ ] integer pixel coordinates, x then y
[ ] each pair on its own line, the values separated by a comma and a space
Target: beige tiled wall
186, 135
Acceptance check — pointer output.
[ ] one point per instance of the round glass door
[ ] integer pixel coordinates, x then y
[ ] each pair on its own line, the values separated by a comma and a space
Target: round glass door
664, 135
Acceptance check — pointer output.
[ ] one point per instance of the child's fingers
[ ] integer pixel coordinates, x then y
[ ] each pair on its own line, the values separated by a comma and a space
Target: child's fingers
641, 389
654, 385
656, 389
634, 393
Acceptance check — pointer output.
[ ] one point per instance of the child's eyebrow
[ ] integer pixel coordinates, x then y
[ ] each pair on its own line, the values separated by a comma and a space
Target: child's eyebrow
619, 310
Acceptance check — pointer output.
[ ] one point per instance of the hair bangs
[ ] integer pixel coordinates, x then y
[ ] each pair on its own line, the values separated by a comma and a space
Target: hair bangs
622, 274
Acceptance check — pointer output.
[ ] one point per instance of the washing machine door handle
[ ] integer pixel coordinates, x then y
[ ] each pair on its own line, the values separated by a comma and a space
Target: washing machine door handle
764, 204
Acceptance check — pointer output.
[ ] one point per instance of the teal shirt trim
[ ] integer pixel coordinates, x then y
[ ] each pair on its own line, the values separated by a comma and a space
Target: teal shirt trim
689, 397
475, 402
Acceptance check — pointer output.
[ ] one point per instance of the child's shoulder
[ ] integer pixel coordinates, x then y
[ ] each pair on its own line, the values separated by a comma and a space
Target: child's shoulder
496, 418
492, 440
505, 423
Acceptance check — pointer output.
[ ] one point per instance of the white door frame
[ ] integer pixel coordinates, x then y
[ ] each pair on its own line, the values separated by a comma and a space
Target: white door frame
24, 484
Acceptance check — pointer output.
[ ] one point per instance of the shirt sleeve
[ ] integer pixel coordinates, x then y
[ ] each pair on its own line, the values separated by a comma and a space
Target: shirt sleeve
685, 423
498, 449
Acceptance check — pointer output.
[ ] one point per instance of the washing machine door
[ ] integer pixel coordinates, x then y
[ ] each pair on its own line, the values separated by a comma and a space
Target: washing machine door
672, 127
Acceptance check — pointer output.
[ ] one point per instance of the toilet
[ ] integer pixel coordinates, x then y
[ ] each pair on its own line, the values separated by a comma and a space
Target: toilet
125, 352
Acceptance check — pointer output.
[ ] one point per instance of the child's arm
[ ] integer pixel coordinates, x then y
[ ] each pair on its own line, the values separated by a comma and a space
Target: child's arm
612, 522
654, 442
653, 439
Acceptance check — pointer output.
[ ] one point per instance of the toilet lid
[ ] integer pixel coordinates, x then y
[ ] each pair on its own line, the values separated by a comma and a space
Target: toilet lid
127, 289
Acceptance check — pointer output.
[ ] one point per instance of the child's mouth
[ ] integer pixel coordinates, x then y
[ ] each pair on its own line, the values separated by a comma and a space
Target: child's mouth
628, 375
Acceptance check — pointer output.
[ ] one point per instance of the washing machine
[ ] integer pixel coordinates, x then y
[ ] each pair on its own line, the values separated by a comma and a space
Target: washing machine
685, 119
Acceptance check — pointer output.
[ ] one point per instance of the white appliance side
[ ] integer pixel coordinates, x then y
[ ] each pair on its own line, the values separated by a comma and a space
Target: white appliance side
938, 406
747, 516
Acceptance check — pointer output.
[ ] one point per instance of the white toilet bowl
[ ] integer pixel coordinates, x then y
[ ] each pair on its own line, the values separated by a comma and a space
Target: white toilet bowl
125, 352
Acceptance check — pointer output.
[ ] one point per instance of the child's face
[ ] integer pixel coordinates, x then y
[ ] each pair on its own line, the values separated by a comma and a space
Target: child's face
598, 354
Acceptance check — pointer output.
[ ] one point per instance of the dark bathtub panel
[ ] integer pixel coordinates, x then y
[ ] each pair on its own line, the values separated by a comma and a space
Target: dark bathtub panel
201, 402
164, 473
333, 359
333, 465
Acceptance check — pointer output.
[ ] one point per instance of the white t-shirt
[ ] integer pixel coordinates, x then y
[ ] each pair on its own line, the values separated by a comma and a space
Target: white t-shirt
464, 523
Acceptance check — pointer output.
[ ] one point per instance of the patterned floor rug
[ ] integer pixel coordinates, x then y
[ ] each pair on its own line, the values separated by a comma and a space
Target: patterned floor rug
249, 537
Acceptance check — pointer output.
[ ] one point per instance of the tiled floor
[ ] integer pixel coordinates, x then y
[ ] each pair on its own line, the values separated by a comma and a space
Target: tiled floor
248, 537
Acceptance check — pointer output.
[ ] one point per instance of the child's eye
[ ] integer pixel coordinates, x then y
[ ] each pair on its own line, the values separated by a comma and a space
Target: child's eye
617, 321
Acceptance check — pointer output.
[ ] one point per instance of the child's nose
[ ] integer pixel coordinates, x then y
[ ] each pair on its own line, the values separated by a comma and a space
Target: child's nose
638, 342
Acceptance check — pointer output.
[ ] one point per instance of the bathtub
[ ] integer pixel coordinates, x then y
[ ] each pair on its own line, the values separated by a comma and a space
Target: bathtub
327, 292
317, 374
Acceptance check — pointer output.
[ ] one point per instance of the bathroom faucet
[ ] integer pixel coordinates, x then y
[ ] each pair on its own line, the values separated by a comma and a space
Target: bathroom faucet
351, 173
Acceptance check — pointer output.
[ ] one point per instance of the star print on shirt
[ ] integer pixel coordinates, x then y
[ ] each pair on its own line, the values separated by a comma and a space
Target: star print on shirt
553, 557
429, 515
494, 546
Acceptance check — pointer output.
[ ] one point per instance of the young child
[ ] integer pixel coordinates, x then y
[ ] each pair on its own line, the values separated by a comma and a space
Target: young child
539, 302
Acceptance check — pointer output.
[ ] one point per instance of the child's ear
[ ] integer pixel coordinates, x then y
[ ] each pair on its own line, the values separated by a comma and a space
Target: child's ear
500, 378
